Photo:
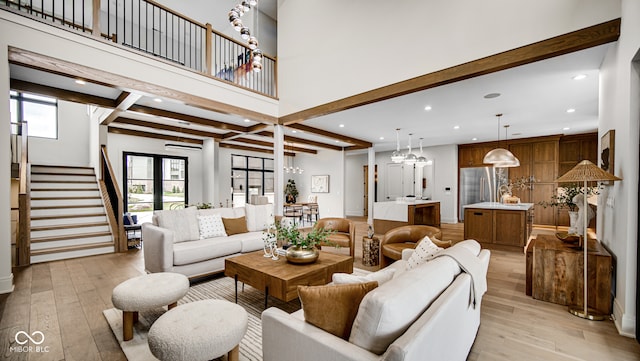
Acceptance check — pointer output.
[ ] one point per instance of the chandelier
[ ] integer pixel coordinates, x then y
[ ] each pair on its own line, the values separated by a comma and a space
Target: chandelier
291, 168
421, 161
234, 18
500, 157
397, 156
410, 158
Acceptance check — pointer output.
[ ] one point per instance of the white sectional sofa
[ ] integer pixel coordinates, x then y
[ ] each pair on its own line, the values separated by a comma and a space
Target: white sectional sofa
172, 243
423, 313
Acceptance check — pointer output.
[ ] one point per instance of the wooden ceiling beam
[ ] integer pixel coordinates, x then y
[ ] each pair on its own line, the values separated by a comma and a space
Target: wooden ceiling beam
189, 118
171, 128
138, 133
324, 133
288, 138
270, 144
124, 101
253, 149
61, 94
595, 35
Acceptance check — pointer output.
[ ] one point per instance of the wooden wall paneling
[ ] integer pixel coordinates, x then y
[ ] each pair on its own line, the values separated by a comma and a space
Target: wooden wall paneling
510, 227
522, 151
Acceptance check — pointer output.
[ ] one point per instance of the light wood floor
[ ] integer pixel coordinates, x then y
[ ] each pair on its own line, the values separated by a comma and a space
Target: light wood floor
65, 300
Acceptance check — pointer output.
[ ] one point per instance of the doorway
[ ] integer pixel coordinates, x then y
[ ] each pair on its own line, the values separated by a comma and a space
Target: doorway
366, 188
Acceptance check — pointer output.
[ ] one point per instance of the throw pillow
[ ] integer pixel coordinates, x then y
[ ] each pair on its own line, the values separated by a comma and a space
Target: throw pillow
259, 217
211, 226
235, 225
333, 307
423, 252
380, 276
183, 223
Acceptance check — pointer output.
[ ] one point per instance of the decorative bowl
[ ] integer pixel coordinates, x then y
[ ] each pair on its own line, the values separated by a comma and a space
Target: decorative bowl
301, 255
568, 238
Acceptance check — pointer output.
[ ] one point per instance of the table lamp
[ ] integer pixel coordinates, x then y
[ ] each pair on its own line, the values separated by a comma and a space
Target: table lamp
585, 172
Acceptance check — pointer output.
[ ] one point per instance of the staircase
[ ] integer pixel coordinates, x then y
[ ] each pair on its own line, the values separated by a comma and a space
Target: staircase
68, 218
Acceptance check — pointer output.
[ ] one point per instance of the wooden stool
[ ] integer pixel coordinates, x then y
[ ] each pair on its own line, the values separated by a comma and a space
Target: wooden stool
370, 251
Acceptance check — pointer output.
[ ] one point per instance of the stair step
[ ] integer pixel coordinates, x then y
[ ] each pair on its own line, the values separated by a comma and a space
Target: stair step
52, 254
63, 198
64, 189
64, 181
69, 231
67, 216
55, 211
67, 206
49, 166
65, 174
64, 194
66, 237
62, 177
67, 226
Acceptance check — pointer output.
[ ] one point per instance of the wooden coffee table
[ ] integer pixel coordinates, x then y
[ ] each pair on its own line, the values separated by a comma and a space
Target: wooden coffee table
280, 278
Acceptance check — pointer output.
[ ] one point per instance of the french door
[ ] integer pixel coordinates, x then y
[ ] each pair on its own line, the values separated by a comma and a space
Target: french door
154, 182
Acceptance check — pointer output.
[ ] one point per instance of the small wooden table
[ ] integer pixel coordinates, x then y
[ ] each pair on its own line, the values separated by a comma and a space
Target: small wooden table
280, 278
555, 273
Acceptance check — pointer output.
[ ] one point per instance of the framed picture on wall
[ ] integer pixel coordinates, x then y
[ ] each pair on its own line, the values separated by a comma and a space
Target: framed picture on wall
607, 144
319, 184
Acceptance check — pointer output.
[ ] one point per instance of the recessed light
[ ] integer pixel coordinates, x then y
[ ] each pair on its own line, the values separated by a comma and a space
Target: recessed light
566, 128
571, 110
80, 82
337, 141
427, 108
474, 139
247, 120
579, 77
184, 122
157, 100
456, 127
381, 138
294, 131
492, 95
516, 134
341, 125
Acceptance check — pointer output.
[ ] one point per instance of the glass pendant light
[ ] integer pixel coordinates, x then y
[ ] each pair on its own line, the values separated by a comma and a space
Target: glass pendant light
397, 156
410, 158
421, 161
253, 43
500, 157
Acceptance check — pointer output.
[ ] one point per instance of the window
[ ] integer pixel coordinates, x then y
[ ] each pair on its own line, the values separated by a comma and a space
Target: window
250, 176
40, 113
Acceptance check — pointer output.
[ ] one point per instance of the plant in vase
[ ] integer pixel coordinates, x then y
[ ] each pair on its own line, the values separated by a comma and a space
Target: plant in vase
302, 247
564, 199
290, 191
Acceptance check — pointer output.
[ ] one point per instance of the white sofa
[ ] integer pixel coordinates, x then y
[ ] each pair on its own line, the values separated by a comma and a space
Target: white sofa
423, 313
175, 245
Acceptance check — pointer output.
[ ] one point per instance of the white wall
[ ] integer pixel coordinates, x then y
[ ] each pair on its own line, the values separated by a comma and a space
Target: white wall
620, 110
6, 276
326, 162
71, 147
354, 184
384, 42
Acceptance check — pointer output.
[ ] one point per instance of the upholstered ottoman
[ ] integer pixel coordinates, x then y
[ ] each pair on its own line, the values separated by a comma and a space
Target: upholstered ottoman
147, 292
201, 330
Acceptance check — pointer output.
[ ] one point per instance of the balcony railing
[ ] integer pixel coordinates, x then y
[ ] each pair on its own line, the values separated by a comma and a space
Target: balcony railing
149, 27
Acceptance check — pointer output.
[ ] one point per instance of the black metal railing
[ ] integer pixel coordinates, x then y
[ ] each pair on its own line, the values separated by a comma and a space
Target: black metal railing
149, 27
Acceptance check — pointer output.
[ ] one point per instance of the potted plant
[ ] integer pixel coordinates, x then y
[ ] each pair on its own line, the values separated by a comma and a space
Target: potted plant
290, 191
563, 199
302, 247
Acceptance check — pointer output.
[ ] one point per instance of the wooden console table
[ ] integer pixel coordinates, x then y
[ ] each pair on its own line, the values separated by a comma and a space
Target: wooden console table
555, 272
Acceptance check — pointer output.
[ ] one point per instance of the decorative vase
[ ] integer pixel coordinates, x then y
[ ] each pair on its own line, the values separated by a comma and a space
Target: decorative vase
573, 218
299, 255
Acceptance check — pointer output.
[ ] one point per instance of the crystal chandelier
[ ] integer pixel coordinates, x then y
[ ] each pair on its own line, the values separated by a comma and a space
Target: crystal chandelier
291, 168
235, 15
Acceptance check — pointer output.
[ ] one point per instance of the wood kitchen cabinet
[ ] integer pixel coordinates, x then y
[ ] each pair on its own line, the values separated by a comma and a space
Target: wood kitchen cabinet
471, 155
497, 224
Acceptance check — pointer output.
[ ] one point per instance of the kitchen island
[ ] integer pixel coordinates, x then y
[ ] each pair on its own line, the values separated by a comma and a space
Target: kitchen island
389, 215
507, 226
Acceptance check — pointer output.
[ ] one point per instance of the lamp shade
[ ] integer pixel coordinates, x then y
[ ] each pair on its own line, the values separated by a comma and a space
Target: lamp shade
501, 158
421, 161
587, 171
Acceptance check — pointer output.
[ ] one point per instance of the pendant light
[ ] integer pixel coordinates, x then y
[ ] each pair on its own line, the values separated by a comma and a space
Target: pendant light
410, 158
500, 157
421, 161
397, 156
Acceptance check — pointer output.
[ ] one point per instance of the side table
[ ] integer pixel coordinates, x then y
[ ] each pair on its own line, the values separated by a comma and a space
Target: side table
133, 241
370, 251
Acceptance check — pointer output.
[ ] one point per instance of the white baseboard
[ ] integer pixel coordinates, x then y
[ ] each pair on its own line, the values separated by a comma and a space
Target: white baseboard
6, 284
449, 220
355, 213
626, 325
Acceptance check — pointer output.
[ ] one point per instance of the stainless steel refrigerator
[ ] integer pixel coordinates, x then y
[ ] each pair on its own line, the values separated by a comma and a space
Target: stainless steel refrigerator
477, 184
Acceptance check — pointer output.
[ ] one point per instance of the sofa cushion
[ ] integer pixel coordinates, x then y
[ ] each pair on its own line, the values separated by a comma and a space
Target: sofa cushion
387, 312
223, 212
259, 217
380, 276
425, 250
235, 225
211, 226
182, 222
333, 307
204, 249
249, 242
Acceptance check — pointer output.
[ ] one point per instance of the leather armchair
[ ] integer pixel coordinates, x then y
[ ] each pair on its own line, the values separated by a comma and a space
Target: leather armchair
344, 232
397, 239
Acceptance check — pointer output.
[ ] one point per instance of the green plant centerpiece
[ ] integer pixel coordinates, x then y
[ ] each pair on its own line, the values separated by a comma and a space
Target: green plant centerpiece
290, 191
302, 247
563, 199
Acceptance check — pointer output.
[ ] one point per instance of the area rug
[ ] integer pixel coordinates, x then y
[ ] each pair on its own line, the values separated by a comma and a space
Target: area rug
137, 349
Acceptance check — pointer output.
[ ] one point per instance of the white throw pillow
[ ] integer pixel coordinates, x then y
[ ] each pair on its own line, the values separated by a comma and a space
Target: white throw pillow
211, 226
423, 252
182, 222
380, 276
259, 217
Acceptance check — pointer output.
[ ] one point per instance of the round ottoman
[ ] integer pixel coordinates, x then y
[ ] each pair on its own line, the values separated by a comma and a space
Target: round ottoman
201, 330
147, 292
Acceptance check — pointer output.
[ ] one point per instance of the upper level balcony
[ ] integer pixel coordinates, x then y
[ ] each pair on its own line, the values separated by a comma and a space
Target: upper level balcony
151, 28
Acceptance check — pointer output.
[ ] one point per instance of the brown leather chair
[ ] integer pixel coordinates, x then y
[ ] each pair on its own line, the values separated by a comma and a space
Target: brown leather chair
398, 239
344, 232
